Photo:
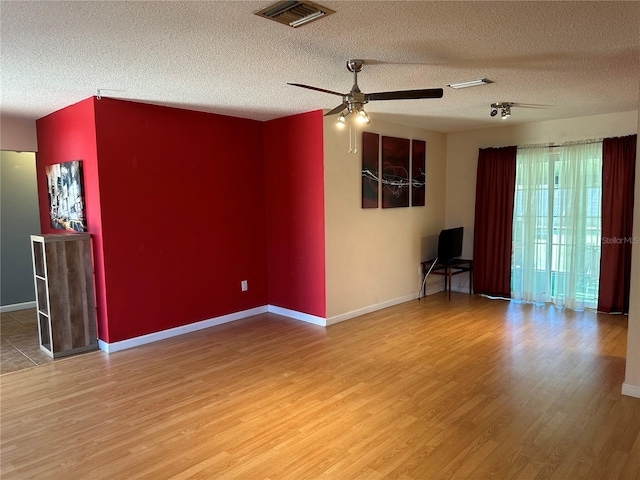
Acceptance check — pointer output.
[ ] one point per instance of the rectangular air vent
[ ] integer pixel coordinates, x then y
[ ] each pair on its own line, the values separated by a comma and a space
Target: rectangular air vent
294, 13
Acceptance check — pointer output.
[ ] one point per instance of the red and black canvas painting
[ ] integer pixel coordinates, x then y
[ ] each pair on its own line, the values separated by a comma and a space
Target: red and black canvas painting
418, 177
370, 181
395, 172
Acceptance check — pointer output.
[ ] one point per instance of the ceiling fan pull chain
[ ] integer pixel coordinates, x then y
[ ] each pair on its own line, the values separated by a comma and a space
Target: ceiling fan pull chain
355, 142
350, 149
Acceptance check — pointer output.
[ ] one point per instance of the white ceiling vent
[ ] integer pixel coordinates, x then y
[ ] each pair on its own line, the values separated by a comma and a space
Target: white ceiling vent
294, 13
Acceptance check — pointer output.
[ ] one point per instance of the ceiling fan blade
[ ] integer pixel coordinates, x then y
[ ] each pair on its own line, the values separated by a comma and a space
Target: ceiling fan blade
531, 105
317, 89
338, 109
406, 94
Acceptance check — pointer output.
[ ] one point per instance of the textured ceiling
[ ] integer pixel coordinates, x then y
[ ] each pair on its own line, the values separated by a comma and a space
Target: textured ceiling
567, 59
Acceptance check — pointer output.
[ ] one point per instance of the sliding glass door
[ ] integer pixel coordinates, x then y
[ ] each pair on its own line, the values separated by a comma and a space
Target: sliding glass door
556, 225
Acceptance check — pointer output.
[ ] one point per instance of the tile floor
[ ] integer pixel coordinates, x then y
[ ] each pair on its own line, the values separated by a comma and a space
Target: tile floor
19, 342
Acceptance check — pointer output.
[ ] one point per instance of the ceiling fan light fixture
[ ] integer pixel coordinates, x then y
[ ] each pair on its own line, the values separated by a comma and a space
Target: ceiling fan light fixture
363, 117
342, 120
504, 107
353, 101
470, 83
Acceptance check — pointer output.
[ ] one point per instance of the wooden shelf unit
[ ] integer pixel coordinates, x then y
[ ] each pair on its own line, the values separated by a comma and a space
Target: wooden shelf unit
63, 277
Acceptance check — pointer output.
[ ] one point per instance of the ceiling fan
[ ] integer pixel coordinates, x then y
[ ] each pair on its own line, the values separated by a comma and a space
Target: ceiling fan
354, 101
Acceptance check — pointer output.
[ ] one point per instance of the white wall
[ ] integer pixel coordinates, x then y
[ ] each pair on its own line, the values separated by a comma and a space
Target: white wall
462, 159
632, 375
373, 255
462, 155
18, 134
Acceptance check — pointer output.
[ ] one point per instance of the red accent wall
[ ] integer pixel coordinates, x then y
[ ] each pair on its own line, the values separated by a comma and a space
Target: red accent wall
184, 205
66, 135
294, 162
183, 215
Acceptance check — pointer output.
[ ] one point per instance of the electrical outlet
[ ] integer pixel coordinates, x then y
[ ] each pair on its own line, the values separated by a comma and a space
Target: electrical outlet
244, 285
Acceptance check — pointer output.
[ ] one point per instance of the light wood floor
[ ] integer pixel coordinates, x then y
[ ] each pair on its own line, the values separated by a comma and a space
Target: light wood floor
467, 389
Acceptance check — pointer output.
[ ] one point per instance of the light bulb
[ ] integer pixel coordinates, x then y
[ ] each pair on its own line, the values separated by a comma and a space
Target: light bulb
341, 120
363, 117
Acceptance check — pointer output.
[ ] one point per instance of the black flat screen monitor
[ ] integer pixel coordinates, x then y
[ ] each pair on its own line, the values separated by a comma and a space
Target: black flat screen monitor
450, 244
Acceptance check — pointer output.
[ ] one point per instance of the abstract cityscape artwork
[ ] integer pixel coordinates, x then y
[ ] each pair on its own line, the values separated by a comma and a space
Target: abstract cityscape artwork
66, 196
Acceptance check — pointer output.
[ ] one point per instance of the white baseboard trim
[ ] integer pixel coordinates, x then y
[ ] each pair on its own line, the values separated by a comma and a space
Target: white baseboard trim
212, 322
174, 332
371, 308
631, 390
17, 306
304, 317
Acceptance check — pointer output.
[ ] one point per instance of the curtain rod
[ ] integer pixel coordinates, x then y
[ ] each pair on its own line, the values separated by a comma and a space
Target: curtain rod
566, 144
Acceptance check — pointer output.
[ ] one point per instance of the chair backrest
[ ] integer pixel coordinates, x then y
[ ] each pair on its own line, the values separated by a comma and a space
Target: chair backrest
450, 244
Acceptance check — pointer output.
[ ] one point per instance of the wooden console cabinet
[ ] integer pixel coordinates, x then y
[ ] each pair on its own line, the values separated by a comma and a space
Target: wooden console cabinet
64, 293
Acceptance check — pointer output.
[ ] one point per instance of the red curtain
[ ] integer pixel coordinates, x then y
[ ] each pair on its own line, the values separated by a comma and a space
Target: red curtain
492, 243
618, 177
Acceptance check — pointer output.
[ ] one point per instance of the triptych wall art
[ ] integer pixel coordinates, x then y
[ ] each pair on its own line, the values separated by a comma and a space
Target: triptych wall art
66, 196
401, 184
370, 167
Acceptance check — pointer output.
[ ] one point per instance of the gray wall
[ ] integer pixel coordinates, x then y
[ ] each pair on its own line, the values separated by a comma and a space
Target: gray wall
19, 218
